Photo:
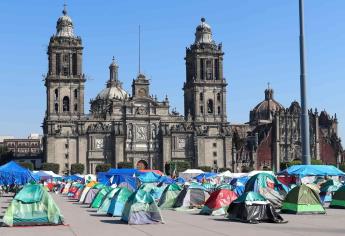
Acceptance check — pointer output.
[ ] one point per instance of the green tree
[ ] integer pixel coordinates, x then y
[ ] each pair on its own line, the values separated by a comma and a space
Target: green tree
77, 168
51, 167
124, 165
179, 165
27, 165
102, 167
205, 168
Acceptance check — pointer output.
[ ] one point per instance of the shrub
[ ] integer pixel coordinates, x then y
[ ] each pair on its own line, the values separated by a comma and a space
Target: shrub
224, 169
342, 167
246, 169
51, 167
123, 165
316, 162
77, 168
102, 167
27, 165
205, 168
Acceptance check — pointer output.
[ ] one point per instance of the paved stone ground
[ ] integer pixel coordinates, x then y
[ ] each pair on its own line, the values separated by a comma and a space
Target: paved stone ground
81, 220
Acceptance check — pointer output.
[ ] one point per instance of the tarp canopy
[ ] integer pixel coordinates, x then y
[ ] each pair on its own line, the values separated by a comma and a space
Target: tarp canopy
127, 181
13, 173
312, 170
158, 172
206, 175
124, 171
75, 177
149, 177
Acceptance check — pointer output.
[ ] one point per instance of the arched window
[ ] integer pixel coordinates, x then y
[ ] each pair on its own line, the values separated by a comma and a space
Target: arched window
76, 93
56, 107
218, 109
75, 107
201, 97
56, 93
218, 97
210, 106
65, 104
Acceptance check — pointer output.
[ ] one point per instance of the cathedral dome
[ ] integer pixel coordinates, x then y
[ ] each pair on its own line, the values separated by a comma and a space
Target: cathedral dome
112, 92
265, 109
203, 32
64, 25
114, 89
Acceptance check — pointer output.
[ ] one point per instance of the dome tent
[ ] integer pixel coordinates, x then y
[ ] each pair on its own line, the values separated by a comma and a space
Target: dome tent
103, 209
268, 186
191, 196
302, 200
253, 208
32, 206
338, 200
97, 201
141, 208
218, 202
169, 196
118, 201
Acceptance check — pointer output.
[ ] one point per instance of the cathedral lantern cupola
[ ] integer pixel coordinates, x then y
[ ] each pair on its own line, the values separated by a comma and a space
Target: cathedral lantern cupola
64, 25
203, 33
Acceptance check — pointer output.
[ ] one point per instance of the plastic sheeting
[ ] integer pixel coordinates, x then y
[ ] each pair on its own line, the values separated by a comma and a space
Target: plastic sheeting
312, 170
12, 173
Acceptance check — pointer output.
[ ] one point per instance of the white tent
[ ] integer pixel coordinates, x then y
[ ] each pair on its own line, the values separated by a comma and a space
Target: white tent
226, 174
190, 173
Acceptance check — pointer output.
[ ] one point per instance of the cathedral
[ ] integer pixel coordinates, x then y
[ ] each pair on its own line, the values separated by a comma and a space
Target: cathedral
132, 127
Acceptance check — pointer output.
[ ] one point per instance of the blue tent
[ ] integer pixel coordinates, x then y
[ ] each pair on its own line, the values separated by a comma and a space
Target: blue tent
166, 180
129, 182
207, 175
312, 170
102, 178
12, 173
74, 178
130, 172
180, 180
149, 177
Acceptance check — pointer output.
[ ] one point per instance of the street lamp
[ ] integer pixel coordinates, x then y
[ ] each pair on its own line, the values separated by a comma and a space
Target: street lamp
304, 112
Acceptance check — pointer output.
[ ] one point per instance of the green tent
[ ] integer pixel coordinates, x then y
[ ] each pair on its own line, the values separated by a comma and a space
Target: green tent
103, 209
169, 196
118, 201
338, 200
302, 200
97, 201
141, 208
32, 206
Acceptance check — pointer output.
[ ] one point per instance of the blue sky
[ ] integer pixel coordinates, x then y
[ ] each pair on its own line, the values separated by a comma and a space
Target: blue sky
260, 41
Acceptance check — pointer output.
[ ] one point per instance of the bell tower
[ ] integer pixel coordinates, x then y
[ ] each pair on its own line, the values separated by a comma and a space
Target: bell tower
205, 86
65, 79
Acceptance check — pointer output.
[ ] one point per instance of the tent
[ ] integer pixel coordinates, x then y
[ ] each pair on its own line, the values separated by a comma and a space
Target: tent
166, 180
312, 170
91, 194
103, 209
13, 173
127, 181
268, 186
141, 208
66, 188
169, 196
226, 174
252, 207
32, 206
118, 201
192, 196
206, 176
328, 188
97, 201
302, 200
218, 202
149, 177
124, 171
190, 173
338, 200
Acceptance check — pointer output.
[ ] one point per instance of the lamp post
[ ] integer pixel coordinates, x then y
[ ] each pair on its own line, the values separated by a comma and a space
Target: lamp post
304, 113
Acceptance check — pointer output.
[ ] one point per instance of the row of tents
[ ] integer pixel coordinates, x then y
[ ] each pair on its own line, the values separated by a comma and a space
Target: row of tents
139, 196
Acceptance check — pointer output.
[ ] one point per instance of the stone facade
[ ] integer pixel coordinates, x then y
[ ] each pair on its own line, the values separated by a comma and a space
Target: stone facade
129, 128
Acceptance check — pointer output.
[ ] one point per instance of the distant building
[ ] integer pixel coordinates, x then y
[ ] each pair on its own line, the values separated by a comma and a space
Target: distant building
28, 150
130, 128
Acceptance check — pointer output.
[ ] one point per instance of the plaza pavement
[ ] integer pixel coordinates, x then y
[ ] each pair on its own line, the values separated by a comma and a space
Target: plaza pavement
83, 221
